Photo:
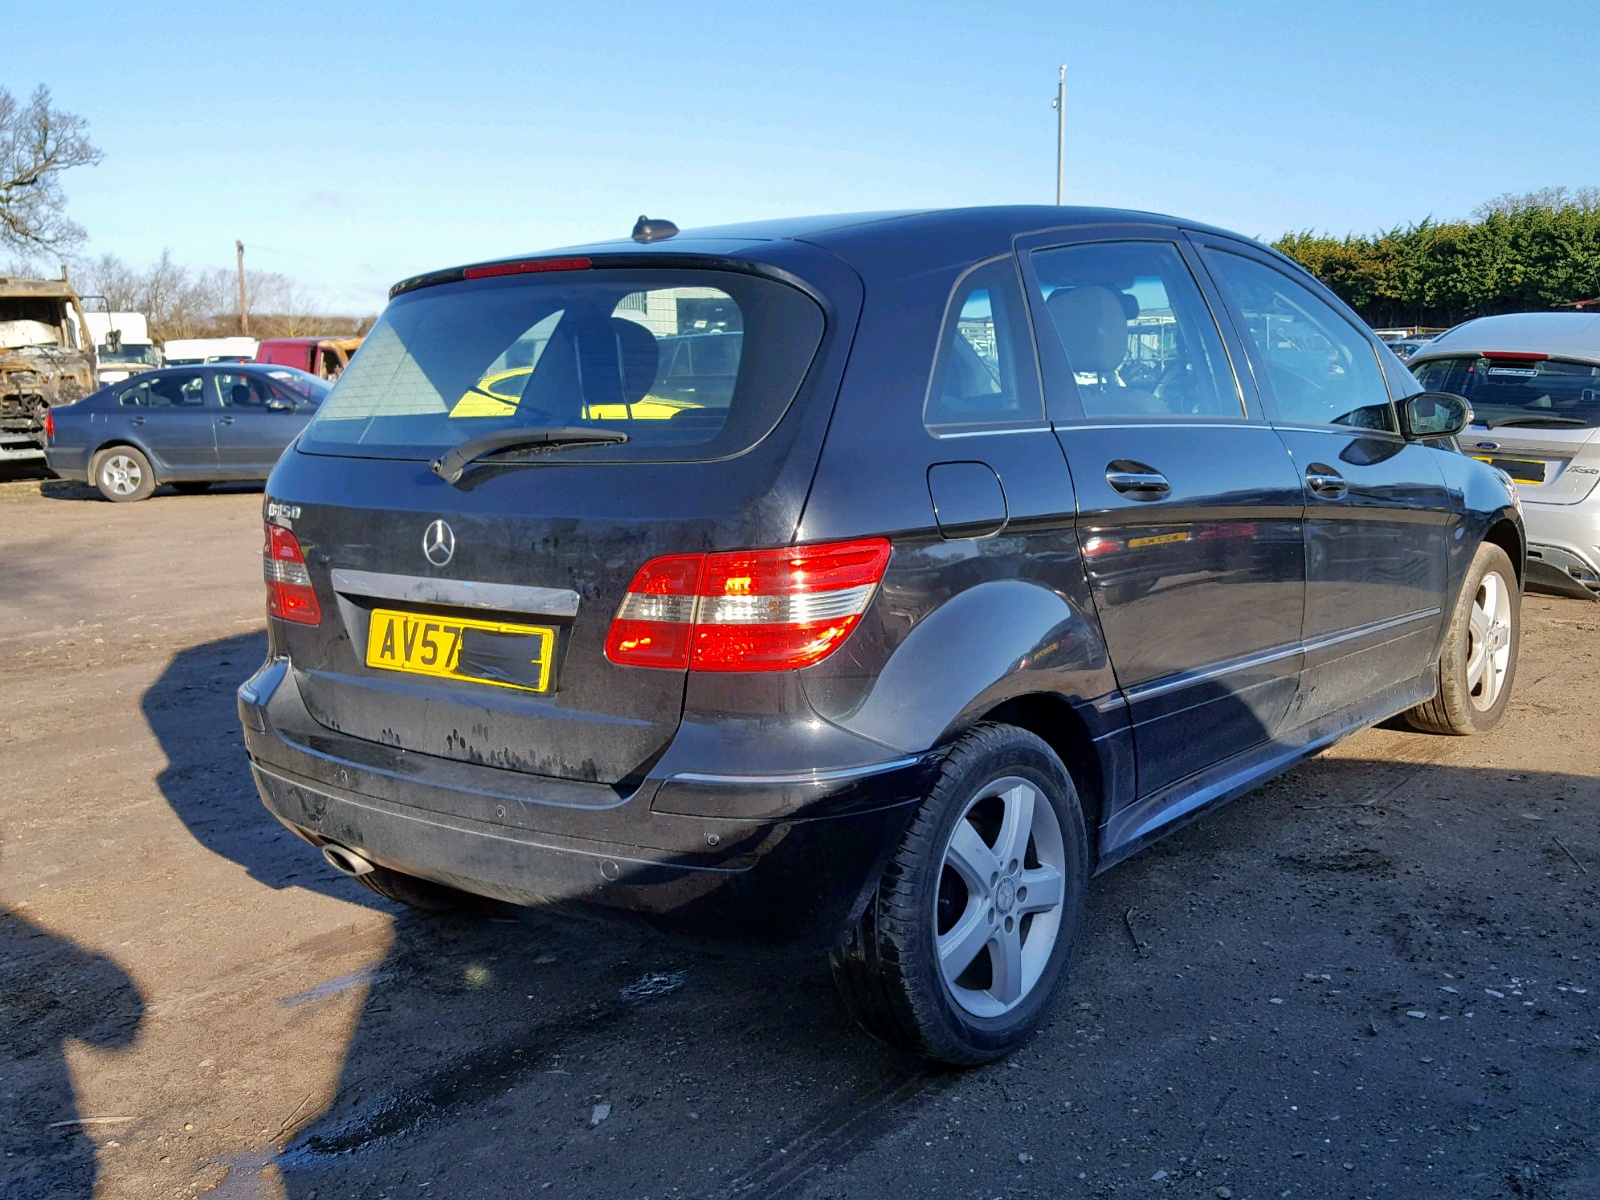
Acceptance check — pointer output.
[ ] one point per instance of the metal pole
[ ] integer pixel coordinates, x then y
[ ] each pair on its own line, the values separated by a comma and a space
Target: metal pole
1061, 136
244, 304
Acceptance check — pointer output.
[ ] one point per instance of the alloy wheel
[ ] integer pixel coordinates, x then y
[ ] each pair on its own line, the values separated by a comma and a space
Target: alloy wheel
121, 474
1488, 641
1001, 889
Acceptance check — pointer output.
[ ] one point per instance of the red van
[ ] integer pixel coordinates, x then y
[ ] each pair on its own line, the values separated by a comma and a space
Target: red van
325, 357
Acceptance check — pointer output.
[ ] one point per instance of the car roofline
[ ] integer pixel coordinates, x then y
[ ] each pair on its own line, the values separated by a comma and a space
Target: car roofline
740, 243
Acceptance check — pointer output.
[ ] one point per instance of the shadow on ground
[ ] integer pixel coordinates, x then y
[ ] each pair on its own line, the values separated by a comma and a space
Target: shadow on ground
192, 712
53, 993
1367, 978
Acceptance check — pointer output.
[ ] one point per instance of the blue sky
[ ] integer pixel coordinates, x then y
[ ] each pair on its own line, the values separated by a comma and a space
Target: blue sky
351, 145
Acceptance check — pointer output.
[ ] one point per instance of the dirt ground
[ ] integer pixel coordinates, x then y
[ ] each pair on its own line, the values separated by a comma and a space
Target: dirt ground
1378, 976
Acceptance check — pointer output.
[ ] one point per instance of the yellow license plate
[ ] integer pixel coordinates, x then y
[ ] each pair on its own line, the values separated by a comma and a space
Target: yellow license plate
506, 655
1523, 470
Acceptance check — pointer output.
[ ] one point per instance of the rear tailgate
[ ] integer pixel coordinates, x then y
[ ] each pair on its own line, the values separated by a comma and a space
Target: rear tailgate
1536, 416
549, 547
494, 652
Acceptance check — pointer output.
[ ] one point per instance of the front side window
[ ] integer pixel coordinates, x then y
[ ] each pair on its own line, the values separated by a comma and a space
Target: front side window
165, 391
688, 364
1322, 371
1137, 333
984, 374
242, 391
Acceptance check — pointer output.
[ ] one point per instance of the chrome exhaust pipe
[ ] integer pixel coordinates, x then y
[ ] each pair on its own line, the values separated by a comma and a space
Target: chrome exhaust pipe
342, 858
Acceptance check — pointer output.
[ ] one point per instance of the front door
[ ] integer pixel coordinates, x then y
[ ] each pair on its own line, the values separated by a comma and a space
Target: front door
1378, 513
255, 422
1189, 506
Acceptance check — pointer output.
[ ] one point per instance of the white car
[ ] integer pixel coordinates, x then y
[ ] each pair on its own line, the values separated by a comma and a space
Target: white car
1533, 380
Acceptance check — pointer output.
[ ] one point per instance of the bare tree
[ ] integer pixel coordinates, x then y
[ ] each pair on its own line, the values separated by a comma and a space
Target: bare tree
37, 143
181, 303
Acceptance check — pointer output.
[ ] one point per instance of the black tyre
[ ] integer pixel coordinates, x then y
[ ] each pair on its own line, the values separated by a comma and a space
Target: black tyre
964, 942
417, 893
190, 487
122, 474
1479, 660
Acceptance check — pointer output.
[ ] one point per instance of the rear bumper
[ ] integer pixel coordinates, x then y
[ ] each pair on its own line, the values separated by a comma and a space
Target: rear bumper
66, 464
797, 873
1564, 547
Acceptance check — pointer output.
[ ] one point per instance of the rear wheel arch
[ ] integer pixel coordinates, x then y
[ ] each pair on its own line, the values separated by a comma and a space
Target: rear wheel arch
115, 443
1053, 720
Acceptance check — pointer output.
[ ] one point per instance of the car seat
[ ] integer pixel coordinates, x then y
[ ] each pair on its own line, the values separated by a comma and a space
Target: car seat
1092, 321
610, 361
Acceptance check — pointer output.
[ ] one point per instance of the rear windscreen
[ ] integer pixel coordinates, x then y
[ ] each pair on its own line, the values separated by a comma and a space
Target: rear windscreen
688, 364
1520, 391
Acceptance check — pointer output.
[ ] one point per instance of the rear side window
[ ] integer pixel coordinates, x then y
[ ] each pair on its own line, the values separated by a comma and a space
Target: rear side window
688, 364
1322, 371
984, 375
1519, 391
1136, 331
165, 391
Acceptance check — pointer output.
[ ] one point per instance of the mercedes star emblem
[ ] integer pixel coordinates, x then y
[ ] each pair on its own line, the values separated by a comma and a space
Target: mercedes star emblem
439, 544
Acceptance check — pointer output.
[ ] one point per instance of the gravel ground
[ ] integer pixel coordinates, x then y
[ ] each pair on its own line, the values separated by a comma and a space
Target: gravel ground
1377, 976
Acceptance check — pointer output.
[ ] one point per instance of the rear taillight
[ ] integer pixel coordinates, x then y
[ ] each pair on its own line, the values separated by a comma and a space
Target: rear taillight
289, 591
746, 610
49, 425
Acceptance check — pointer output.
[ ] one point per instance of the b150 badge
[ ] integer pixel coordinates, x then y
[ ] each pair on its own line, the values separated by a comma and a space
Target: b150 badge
289, 512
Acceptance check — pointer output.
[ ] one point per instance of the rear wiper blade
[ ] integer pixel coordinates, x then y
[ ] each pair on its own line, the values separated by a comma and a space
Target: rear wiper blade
450, 465
1533, 419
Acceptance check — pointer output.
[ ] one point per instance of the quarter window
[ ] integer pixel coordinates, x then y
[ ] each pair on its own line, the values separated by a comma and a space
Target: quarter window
1136, 331
1322, 371
984, 375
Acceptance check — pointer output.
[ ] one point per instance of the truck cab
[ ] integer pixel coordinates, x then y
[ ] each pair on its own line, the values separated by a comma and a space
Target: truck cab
46, 359
122, 344
324, 357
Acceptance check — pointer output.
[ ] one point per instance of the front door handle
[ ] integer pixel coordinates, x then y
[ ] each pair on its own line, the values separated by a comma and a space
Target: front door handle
1137, 481
1326, 482
224, 420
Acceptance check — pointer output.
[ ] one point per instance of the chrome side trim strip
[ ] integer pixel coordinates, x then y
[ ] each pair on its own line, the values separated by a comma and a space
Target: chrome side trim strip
505, 597
987, 432
1173, 683
1349, 635
834, 776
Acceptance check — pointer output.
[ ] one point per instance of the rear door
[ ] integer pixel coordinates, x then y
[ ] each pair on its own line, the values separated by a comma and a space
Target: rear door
1378, 513
170, 413
543, 543
1188, 505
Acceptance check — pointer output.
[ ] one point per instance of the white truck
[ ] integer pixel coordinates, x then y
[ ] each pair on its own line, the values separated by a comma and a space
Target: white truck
122, 344
192, 352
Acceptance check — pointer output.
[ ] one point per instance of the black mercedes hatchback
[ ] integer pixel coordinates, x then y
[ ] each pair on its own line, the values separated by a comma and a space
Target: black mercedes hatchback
867, 580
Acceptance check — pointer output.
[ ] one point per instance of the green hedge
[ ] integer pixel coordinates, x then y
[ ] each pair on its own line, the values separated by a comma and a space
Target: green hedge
1518, 254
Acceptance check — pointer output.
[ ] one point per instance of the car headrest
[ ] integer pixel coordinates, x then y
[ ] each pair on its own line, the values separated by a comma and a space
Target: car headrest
611, 361
1093, 325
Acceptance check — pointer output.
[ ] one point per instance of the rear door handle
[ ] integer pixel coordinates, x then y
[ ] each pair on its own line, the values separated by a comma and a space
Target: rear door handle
1326, 482
224, 420
1137, 481
135, 420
